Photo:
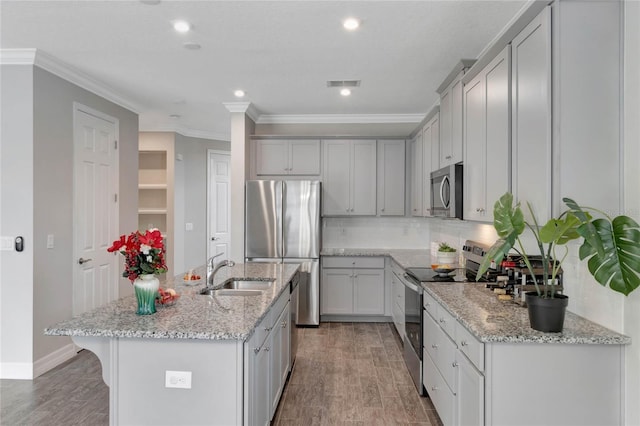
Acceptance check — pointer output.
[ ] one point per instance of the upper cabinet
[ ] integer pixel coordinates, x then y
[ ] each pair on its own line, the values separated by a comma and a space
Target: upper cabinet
531, 116
391, 177
487, 139
430, 160
287, 157
349, 178
415, 146
451, 115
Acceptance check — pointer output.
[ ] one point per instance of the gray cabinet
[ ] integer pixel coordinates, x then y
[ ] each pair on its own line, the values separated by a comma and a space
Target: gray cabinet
531, 171
352, 286
287, 157
391, 177
415, 147
487, 138
430, 161
349, 178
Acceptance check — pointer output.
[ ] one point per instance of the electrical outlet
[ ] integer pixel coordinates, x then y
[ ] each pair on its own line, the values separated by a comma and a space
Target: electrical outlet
188, 226
177, 379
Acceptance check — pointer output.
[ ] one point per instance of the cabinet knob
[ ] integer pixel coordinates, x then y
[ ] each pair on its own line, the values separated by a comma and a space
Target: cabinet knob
448, 157
382, 210
267, 329
463, 343
355, 276
434, 346
428, 304
434, 388
256, 350
454, 364
283, 324
442, 320
266, 349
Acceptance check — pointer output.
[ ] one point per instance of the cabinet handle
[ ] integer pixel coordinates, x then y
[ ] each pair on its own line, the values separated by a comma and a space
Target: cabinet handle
434, 388
448, 157
454, 364
267, 329
463, 343
283, 324
434, 346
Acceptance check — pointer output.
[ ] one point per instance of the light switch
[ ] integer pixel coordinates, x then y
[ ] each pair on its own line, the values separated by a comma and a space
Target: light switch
188, 226
50, 241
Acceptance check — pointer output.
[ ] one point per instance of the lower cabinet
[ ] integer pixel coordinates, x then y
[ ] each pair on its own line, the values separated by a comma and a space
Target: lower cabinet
268, 361
397, 310
352, 286
470, 395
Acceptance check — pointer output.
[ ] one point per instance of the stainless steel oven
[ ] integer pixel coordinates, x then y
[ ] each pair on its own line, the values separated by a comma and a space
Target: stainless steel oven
413, 330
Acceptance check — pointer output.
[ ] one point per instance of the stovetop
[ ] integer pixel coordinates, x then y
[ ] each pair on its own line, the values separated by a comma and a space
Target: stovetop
428, 275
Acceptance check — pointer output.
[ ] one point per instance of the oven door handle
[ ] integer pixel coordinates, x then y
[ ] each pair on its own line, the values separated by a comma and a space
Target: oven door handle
409, 282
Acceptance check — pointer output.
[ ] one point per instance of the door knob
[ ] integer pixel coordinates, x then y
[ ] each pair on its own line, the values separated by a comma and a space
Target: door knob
82, 261
214, 238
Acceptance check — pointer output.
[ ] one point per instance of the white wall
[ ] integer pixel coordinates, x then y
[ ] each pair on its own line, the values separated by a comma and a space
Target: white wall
191, 200
37, 185
632, 196
16, 218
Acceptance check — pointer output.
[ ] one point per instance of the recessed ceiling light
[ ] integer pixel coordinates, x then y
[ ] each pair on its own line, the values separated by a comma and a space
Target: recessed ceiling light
191, 45
351, 24
181, 26
345, 92
239, 93
175, 116
150, 2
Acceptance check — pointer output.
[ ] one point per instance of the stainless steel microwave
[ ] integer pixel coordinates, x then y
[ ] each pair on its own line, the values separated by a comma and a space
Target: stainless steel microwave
446, 192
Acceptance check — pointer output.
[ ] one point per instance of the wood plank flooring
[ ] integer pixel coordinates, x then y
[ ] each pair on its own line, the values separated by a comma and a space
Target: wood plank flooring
345, 373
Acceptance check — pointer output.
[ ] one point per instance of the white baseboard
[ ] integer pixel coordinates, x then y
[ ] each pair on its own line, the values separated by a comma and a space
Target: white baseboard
54, 359
16, 370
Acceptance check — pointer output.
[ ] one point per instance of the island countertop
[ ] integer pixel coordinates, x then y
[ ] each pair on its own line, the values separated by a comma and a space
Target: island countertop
193, 316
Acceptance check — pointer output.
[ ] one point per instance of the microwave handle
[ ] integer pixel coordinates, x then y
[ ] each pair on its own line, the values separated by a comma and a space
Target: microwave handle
444, 179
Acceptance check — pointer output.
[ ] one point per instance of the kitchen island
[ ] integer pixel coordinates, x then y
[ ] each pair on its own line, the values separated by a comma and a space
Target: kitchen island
190, 363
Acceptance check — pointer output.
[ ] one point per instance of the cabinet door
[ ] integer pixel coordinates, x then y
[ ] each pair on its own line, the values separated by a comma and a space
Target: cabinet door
363, 178
336, 178
278, 348
416, 175
391, 172
285, 345
456, 121
498, 137
304, 157
368, 291
445, 127
272, 157
260, 388
430, 146
470, 396
475, 157
531, 116
337, 291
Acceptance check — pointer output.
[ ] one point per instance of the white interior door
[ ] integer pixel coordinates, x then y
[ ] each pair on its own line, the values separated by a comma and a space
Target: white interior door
95, 278
219, 204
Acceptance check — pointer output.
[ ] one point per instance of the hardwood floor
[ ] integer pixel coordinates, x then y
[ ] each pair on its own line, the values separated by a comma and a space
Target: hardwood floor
345, 373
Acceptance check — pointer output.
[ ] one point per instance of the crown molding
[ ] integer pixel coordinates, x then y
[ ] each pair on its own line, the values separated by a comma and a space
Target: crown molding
201, 134
340, 118
65, 71
244, 107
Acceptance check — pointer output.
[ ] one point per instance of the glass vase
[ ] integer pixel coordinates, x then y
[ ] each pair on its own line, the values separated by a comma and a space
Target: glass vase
146, 289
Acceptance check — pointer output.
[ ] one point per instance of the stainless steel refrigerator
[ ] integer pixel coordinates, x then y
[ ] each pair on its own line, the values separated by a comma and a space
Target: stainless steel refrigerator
282, 224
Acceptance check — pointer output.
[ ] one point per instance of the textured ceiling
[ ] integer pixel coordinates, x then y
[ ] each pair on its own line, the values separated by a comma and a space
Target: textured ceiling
280, 52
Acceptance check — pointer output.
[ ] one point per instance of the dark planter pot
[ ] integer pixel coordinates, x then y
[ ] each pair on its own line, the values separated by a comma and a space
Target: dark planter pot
546, 314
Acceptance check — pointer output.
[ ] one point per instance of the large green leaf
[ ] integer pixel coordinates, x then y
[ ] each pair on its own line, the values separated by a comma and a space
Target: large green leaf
618, 265
588, 229
560, 231
509, 223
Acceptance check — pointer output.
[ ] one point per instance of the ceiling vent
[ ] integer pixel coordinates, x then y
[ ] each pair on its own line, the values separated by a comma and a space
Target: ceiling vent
343, 83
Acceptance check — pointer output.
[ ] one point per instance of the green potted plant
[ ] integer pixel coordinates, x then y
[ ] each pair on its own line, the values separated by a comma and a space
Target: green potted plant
446, 254
611, 245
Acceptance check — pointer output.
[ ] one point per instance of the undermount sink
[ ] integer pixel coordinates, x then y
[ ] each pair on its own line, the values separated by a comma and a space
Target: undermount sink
239, 287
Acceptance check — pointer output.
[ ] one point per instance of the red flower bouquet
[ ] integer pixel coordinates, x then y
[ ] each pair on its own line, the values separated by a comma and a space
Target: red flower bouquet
144, 253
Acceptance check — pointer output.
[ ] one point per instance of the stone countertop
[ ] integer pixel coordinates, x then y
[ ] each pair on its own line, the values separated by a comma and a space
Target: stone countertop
406, 258
193, 316
495, 321
486, 317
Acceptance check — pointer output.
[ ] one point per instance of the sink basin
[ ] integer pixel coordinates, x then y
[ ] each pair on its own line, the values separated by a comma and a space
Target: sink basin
229, 292
246, 284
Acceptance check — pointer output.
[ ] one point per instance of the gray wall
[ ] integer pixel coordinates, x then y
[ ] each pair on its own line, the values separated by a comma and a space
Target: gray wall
37, 200
53, 196
191, 200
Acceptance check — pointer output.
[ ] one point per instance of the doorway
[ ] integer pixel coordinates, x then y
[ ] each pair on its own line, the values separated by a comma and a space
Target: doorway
218, 203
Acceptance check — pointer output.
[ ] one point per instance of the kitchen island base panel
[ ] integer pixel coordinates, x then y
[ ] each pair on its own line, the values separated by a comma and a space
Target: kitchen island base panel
134, 370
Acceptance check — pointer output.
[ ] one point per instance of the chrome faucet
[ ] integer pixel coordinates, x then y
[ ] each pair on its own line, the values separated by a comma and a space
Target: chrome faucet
212, 269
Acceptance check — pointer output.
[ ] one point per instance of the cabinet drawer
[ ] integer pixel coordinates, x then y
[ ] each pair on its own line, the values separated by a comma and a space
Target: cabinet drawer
441, 396
430, 305
261, 332
470, 346
447, 322
277, 307
352, 262
430, 332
